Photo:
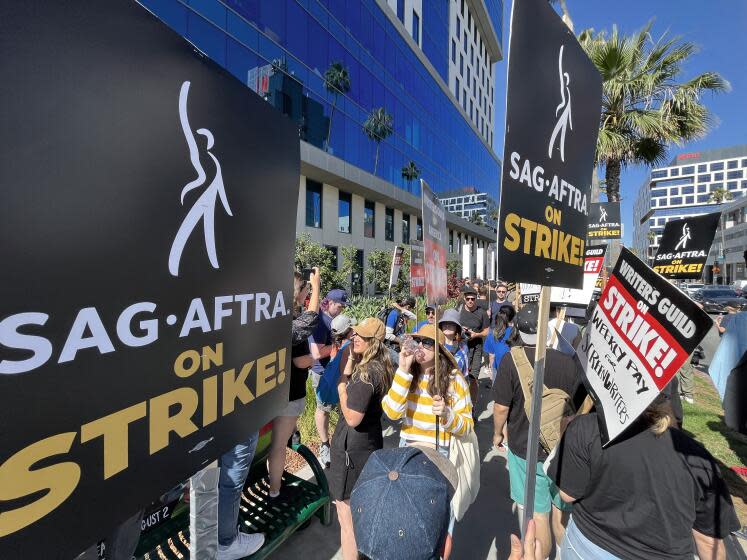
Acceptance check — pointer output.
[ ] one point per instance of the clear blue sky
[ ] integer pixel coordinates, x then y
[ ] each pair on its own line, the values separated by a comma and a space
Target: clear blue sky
717, 27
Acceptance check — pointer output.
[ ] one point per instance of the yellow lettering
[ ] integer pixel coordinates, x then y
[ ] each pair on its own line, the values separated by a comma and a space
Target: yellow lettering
18, 480
180, 365
115, 430
235, 388
266, 374
209, 400
162, 423
212, 357
512, 239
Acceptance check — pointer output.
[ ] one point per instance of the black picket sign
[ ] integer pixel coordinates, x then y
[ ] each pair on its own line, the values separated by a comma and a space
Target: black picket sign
552, 122
604, 221
684, 246
145, 318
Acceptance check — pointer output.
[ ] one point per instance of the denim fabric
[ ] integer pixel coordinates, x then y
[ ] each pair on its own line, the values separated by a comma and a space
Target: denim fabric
234, 468
577, 547
730, 350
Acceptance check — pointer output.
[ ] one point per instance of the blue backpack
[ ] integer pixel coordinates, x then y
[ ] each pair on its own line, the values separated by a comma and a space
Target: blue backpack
327, 388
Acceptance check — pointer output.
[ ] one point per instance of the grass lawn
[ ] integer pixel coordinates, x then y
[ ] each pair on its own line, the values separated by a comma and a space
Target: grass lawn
704, 420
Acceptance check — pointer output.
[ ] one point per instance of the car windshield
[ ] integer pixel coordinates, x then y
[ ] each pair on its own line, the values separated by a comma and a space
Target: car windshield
719, 293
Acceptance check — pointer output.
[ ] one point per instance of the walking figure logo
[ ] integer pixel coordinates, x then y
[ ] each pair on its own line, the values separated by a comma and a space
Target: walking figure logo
204, 207
564, 110
603, 214
684, 239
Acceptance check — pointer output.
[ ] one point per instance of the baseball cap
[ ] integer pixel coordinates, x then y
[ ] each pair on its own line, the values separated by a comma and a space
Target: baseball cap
338, 295
341, 324
468, 290
371, 327
526, 323
401, 502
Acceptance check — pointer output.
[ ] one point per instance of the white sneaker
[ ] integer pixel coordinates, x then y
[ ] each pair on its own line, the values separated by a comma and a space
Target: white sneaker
325, 457
689, 400
245, 544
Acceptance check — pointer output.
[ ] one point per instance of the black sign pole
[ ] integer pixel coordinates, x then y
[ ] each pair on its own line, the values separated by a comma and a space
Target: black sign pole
535, 418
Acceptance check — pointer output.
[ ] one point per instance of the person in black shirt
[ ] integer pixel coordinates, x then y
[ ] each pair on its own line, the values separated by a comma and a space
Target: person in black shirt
475, 327
645, 496
284, 424
367, 377
561, 372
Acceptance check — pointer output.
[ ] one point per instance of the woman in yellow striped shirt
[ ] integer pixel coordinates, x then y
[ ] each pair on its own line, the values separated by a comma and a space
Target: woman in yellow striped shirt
413, 393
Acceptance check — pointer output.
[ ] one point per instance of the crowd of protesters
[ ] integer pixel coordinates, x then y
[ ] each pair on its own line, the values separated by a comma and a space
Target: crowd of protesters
653, 493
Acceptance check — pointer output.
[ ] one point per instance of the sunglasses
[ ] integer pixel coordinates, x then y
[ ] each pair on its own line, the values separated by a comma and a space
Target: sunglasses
470, 298
430, 312
427, 343
501, 291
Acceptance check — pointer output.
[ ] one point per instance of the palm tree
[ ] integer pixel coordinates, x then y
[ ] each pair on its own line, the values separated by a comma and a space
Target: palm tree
651, 236
476, 219
644, 105
336, 81
410, 172
378, 127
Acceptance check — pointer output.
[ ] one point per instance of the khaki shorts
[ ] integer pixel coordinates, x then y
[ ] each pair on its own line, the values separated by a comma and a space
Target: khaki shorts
294, 408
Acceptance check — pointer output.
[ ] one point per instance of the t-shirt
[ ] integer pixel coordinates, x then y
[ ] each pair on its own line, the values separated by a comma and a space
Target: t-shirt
482, 303
461, 354
298, 375
363, 398
322, 335
561, 372
497, 347
476, 320
393, 322
568, 333
495, 308
641, 496
420, 324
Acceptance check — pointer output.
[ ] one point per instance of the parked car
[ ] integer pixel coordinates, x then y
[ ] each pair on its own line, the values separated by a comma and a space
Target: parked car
717, 299
691, 288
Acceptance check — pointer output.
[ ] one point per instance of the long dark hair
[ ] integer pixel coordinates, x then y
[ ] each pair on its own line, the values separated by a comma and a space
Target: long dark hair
445, 374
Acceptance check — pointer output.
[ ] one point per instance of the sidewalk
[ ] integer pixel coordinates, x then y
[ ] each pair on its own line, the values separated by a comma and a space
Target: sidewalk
484, 531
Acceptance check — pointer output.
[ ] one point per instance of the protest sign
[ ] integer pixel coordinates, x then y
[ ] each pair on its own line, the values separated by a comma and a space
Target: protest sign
434, 242
396, 265
552, 120
417, 270
684, 246
604, 221
640, 334
529, 293
144, 329
593, 261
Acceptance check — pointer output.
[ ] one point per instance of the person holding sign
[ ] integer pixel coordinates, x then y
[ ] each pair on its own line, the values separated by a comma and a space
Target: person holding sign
510, 394
648, 494
413, 393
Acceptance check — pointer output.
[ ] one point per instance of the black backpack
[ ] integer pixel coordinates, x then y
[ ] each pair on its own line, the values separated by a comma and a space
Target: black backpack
383, 314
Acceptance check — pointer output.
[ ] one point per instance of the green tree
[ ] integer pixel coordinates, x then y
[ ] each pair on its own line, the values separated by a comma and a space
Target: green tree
378, 126
310, 254
645, 104
379, 267
349, 269
720, 195
476, 219
336, 81
410, 172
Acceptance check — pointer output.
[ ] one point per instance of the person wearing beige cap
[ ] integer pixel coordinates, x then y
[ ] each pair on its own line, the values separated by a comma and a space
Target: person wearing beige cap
413, 394
366, 378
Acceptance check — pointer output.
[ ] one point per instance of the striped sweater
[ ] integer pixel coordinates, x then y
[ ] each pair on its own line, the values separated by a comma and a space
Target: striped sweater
416, 407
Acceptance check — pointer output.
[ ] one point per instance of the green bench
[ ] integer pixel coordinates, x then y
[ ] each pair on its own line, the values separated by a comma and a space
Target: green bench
277, 519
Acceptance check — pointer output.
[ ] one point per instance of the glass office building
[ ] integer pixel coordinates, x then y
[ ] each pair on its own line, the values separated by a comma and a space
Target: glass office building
684, 188
400, 55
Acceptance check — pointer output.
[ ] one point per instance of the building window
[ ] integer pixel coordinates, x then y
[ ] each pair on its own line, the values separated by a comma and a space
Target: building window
734, 174
715, 186
689, 200
732, 185
313, 204
451, 241
461, 65
416, 27
401, 10
405, 228
702, 167
675, 200
369, 219
343, 212
732, 164
688, 190
704, 178
419, 230
333, 251
718, 176
658, 174
704, 198
674, 172
453, 51
717, 166
459, 26
689, 170
389, 225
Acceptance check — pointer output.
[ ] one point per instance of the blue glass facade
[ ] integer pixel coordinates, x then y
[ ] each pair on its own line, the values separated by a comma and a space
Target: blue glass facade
308, 35
495, 11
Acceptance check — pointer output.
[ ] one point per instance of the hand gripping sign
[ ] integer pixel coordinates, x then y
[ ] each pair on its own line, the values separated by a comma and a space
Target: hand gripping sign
641, 332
